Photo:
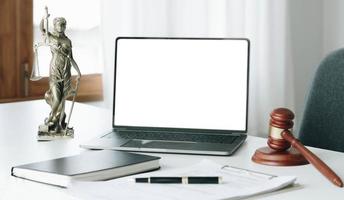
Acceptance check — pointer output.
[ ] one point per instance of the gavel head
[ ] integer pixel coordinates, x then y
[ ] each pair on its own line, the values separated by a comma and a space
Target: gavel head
281, 120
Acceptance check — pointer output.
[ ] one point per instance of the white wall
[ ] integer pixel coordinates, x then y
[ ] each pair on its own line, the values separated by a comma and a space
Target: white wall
309, 29
317, 29
147, 18
114, 17
306, 37
333, 25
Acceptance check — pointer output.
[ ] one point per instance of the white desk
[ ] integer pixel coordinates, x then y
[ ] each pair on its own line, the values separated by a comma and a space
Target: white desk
18, 145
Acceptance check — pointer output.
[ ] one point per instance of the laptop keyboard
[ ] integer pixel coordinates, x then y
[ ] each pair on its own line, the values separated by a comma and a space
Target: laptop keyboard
224, 139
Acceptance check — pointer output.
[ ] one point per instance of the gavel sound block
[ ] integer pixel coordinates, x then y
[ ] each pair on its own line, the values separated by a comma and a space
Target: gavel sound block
279, 152
285, 150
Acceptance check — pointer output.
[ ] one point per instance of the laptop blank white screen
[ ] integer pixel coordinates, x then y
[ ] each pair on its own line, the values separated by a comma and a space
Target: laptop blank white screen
181, 83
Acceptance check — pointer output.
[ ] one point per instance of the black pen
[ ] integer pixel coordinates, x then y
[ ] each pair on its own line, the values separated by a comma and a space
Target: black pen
183, 180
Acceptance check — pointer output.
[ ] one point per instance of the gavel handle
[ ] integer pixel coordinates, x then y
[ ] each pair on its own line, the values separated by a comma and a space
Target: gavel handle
312, 158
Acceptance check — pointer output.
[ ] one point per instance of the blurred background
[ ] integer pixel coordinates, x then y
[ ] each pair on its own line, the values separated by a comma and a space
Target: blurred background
288, 40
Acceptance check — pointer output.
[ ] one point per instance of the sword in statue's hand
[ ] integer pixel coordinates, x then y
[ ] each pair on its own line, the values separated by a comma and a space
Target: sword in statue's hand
46, 20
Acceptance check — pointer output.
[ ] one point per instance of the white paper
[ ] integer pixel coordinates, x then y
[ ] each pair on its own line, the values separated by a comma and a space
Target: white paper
235, 185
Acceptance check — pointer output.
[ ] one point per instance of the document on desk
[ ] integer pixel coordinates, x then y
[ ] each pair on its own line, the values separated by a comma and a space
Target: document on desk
236, 184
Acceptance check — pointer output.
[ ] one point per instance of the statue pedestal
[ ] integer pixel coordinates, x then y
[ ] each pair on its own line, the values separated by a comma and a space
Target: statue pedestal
45, 135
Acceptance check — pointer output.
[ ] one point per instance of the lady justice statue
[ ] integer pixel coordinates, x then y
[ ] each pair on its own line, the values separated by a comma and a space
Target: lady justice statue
60, 79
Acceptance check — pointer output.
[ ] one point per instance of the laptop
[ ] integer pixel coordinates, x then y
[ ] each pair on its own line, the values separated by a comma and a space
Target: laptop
179, 95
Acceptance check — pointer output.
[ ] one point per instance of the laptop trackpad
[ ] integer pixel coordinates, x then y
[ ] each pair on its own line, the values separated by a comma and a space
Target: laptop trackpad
182, 145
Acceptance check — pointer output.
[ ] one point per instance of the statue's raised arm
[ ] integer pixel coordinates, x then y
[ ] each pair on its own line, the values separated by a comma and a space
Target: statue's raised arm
44, 25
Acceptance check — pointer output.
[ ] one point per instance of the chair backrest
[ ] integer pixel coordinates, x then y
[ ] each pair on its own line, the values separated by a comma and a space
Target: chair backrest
323, 120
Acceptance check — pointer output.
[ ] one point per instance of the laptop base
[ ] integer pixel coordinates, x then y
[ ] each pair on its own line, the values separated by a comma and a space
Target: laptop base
114, 141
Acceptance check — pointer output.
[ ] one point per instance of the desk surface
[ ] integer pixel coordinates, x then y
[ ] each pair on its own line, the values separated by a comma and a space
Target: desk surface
18, 145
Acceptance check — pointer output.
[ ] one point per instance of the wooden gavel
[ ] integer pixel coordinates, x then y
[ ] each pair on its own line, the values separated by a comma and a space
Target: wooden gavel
279, 151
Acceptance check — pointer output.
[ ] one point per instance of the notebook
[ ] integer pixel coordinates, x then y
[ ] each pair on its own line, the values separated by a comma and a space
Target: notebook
87, 166
178, 95
237, 183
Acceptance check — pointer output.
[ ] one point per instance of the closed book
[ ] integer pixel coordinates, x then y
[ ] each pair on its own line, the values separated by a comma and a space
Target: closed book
87, 166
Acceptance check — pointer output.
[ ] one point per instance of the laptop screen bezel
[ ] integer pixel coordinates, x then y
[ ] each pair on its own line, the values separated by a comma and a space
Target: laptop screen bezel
170, 129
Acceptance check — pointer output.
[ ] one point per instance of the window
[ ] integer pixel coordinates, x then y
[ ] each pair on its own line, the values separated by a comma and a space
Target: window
20, 20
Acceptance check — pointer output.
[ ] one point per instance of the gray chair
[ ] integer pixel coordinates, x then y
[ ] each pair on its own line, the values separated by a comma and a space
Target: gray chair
323, 120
